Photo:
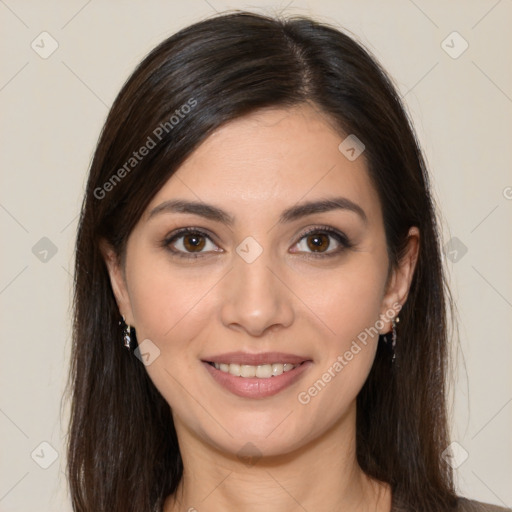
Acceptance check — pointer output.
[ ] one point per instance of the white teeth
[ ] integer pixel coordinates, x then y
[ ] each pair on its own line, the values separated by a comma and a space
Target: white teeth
247, 371
261, 371
277, 369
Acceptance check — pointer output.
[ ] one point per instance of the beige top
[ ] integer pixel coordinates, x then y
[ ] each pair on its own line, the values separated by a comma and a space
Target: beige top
477, 506
464, 505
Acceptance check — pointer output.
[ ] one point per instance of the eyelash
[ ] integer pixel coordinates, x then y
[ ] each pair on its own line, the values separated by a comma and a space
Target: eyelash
341, 238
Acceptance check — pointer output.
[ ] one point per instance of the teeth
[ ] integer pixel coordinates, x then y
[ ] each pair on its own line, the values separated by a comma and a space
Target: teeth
262, 371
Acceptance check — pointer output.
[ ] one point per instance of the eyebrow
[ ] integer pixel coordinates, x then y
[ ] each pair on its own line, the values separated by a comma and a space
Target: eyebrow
293, 213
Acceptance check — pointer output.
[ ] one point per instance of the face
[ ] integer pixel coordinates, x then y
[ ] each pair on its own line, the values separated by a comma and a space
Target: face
296, 292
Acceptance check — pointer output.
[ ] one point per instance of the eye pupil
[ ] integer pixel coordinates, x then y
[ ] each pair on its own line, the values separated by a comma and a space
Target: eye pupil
317, 241
194, 241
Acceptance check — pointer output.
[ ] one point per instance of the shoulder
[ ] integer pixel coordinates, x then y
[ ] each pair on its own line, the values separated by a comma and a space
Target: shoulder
467, 505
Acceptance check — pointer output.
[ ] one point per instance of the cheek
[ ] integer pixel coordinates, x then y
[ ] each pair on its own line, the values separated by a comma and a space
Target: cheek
348, 301
166, 302
349, 306
170, 307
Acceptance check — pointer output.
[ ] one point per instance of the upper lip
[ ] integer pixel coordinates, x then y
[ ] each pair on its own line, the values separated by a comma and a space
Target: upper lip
255, 359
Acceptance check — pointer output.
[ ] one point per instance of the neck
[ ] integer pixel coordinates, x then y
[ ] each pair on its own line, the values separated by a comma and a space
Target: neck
323, 476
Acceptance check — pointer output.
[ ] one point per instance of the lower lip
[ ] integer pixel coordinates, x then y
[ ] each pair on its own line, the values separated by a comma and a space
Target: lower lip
254, 387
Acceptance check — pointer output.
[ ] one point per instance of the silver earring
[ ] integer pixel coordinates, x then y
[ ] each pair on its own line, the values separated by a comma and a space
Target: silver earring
127, 335
394, 321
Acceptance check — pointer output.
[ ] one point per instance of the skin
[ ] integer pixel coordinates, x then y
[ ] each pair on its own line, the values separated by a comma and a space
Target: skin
304, 454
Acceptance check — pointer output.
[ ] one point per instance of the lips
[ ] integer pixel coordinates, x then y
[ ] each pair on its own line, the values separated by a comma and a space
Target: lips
255, 387
256, 359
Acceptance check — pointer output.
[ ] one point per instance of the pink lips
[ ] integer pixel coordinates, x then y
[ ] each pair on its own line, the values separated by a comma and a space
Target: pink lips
255, 387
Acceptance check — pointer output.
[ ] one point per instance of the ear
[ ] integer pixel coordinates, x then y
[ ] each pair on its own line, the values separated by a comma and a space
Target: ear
400, 280
117, 280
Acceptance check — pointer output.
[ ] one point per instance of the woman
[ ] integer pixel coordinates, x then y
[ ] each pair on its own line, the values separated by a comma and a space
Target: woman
260, 306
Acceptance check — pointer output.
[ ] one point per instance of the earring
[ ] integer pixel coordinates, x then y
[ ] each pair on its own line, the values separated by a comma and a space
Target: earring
127, 335
394, 321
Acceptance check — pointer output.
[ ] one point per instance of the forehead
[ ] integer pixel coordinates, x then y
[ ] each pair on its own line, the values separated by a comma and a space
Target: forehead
269, 158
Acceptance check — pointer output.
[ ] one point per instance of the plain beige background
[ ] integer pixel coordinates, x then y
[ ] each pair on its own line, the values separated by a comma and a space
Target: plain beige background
53, 107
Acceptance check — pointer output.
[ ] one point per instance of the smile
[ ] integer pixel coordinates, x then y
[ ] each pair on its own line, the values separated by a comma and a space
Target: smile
256, 381
261, 371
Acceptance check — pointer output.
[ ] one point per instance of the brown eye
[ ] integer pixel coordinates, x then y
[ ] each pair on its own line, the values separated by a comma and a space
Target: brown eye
194, 242
190, 243
323, 242
318, 242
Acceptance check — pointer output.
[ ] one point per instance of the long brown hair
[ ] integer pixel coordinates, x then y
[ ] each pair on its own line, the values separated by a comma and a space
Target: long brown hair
123, 453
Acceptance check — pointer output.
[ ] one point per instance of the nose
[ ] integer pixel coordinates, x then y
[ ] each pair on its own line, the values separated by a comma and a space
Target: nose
255, 297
